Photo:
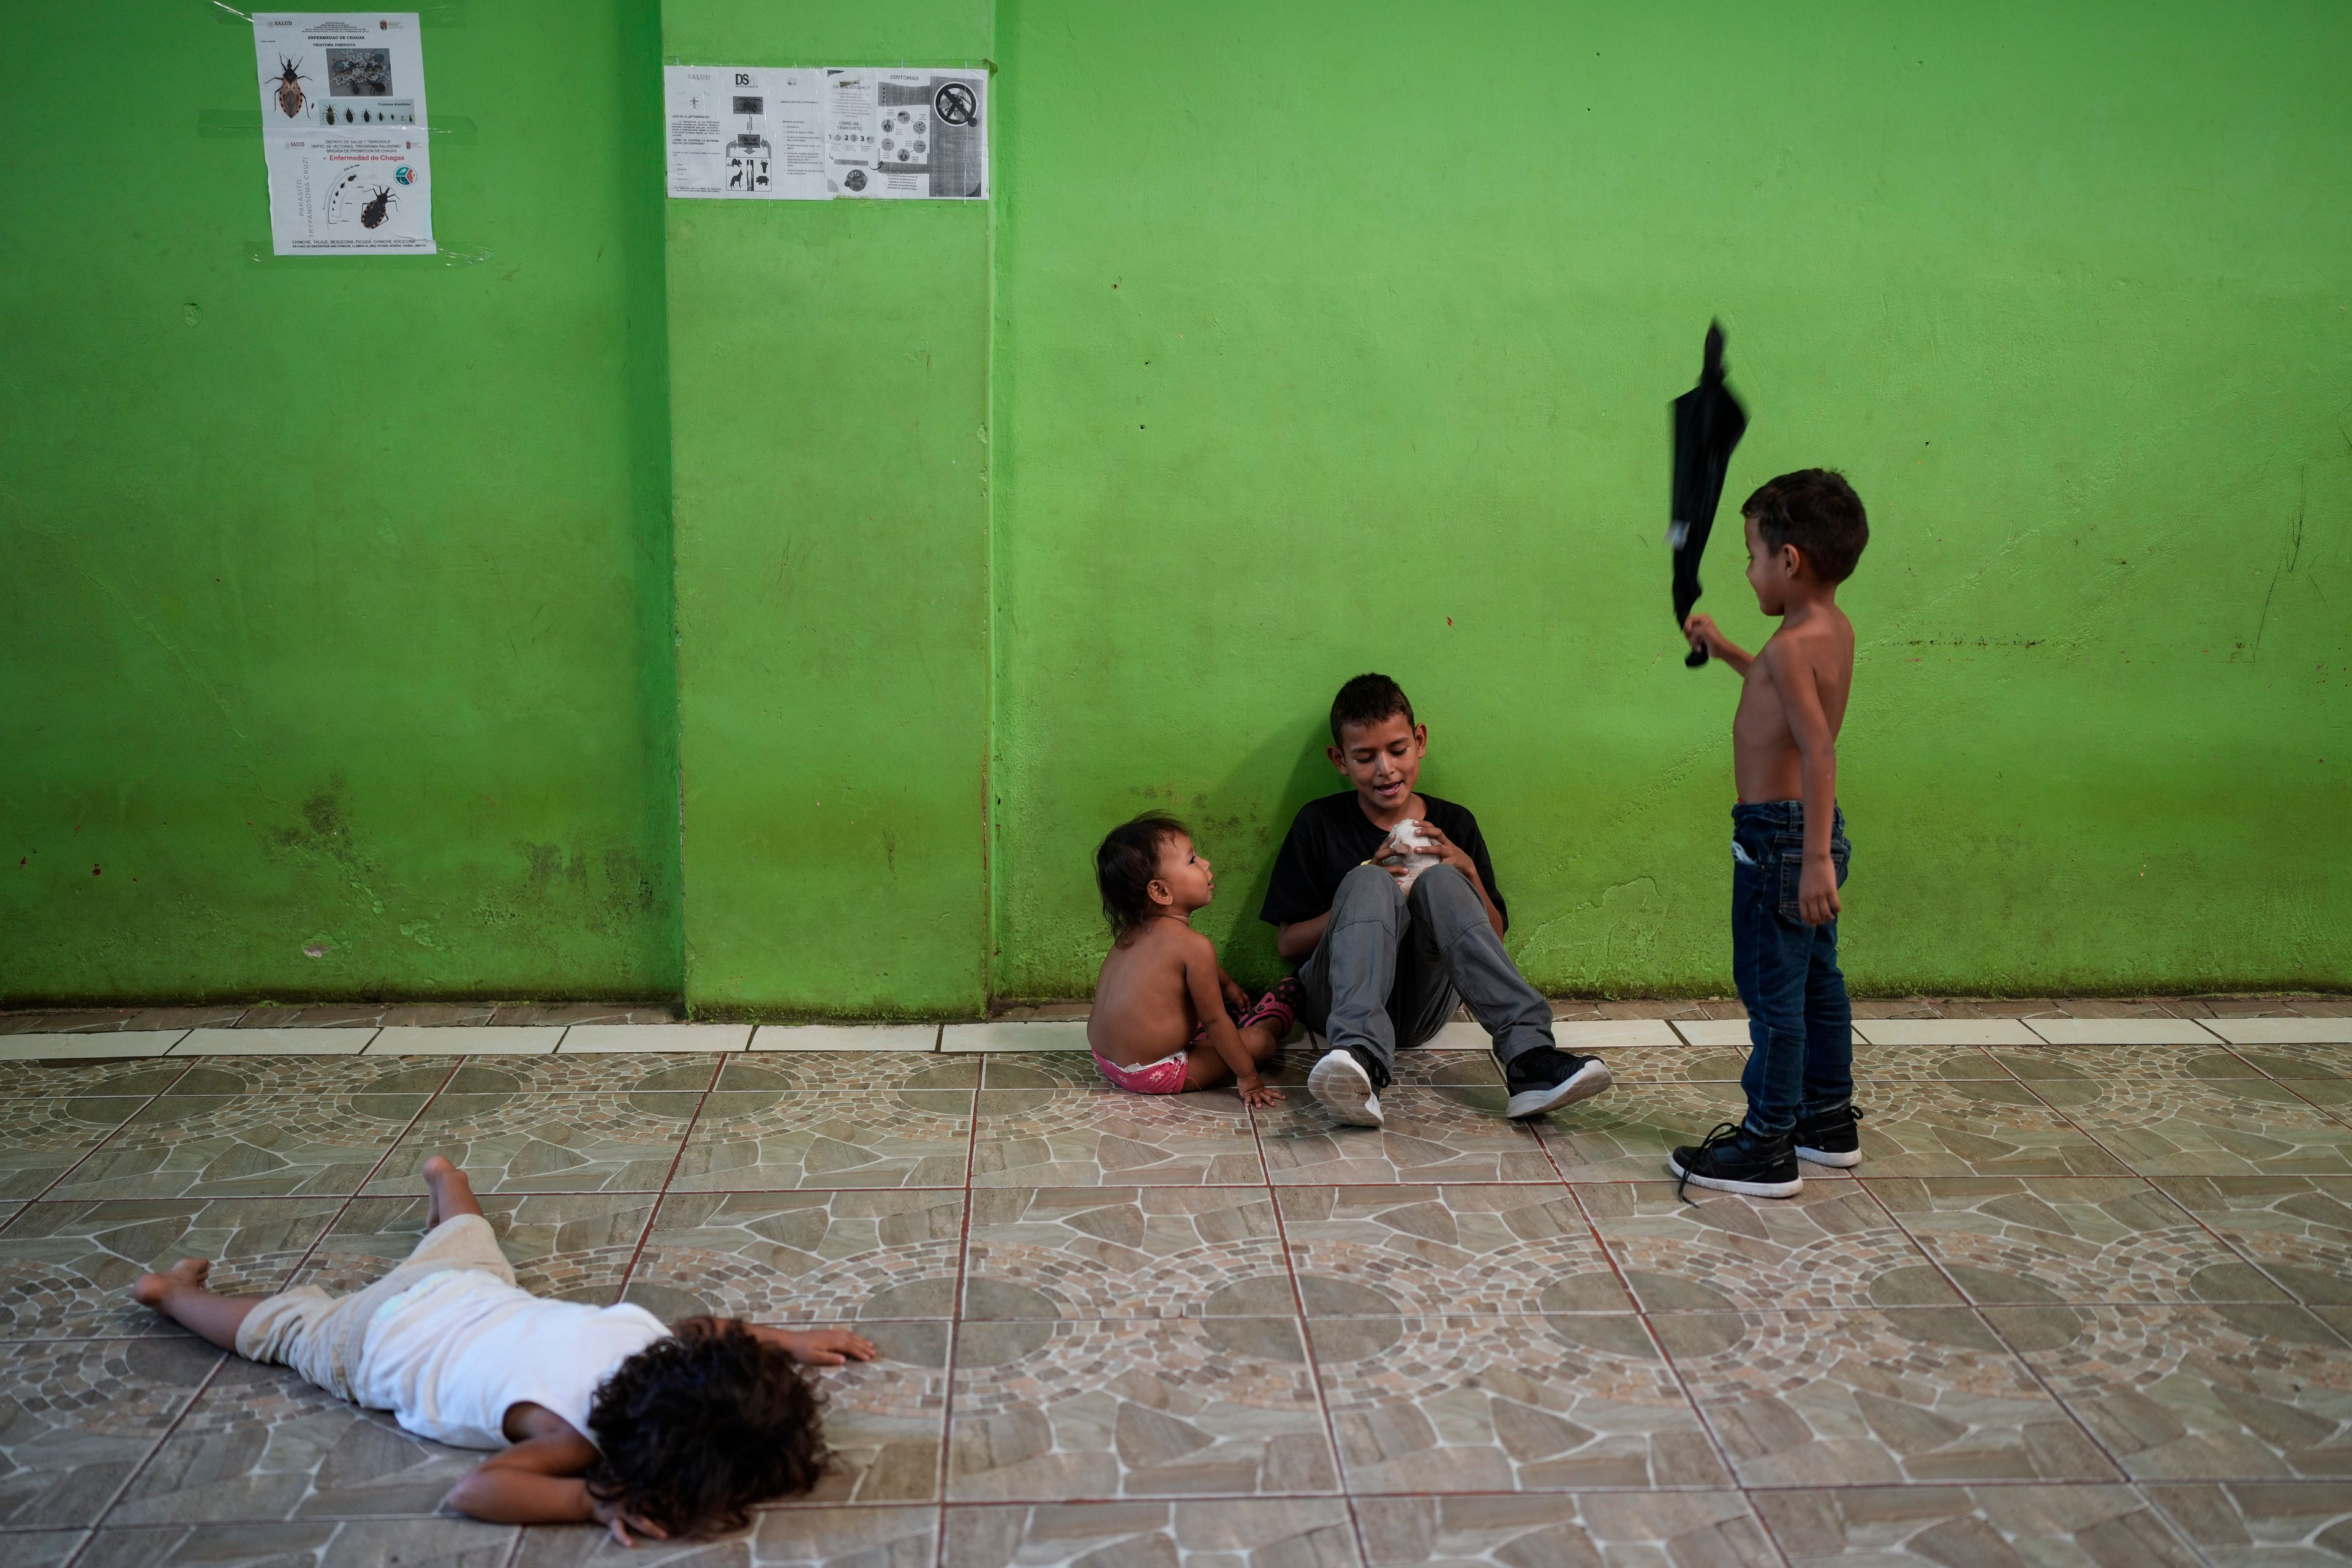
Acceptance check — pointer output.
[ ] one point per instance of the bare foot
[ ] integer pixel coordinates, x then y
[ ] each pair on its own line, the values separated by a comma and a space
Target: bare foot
449, 1193
188, 1274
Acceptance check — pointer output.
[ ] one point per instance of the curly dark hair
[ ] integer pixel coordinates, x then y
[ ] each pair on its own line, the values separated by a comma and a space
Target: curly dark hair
1125, 863
694, 1429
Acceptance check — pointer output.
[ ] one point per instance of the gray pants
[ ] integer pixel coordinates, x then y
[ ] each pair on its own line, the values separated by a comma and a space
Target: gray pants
1393, 966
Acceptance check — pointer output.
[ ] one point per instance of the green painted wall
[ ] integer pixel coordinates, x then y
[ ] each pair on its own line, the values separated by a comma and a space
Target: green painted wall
829, 371
400, 608
1336, 336
337, 591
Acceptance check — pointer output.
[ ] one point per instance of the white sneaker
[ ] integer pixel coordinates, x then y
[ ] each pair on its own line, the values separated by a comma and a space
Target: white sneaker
1341, 1086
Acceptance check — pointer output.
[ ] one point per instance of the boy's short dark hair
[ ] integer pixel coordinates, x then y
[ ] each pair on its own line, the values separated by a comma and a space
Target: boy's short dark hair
1125, 863
1816, 510
1368, 700
694, 1429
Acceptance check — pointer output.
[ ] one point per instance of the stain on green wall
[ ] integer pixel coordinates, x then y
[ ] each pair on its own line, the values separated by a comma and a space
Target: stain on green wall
336, 659
1335, 337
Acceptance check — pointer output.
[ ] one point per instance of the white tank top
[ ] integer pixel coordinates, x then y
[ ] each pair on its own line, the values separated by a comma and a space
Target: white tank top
450, 1355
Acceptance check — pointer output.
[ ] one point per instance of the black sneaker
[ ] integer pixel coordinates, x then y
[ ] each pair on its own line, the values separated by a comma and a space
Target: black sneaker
1547, 1078
1730, 1161
1831, 1137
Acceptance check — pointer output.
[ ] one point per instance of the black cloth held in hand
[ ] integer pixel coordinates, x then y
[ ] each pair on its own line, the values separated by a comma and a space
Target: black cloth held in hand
1709, 421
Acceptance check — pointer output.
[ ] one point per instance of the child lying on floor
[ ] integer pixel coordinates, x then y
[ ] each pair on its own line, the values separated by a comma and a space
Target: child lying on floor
603, 1413
1166, 1017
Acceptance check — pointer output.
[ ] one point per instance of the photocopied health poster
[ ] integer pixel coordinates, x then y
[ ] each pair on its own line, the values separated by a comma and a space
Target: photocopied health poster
750, 132
344, 131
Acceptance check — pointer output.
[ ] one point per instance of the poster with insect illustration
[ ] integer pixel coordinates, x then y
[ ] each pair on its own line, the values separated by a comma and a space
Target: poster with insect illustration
345, 133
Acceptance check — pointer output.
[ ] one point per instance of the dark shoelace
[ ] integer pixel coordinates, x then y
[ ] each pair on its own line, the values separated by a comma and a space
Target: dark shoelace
1725, 1133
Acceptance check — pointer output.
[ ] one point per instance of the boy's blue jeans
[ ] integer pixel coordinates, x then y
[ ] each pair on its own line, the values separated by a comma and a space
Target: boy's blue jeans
1800, 1024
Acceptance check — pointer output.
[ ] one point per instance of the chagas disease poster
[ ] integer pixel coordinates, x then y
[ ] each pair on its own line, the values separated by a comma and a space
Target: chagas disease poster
345, 132
755, 133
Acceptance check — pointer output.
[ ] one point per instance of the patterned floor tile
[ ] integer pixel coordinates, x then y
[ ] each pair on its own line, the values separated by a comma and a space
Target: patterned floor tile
1630, 1065
2194, 1127
1831, 1246
39, 1548
42, 1138
1507, 1404
1423, 1066
1123, 1252
884, 1420
245, 1145
67, 1268
1963, 1527
1895, 1064
2055, 1064
1873, 1397
2264, 1524
360, 1543
1143, 1407
1670, 1530
544, 1142
796, 1537
261, 1443
2293, 1061
1309, 1532
575, 1245
1044, 1069
648, 1072
2011, 1240
1457, 1133
1433, 1250
2141, 1029
110, 1076
762, 1139
852, 1070
2298, 1228
1940, 1128
214, 1076
1071, 1138
79, 1418
2198, 1392
802, 1257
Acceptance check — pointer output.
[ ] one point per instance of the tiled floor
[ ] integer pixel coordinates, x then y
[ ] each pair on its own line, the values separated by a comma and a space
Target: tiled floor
2084, 1303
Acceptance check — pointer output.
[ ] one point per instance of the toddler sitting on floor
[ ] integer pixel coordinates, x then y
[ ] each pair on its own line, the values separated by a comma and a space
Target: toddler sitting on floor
603, 1413
1166, 1017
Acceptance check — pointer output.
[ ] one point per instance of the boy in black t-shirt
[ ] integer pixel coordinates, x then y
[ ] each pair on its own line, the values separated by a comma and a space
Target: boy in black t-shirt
1387, 902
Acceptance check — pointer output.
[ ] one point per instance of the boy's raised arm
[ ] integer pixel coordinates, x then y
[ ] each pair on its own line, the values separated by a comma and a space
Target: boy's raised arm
1708, 638
1801, 699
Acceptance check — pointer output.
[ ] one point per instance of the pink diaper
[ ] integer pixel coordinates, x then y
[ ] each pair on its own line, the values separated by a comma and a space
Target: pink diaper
1165, 1076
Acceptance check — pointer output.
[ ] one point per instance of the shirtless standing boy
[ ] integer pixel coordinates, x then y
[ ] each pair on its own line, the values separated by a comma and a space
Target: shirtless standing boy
1788, 849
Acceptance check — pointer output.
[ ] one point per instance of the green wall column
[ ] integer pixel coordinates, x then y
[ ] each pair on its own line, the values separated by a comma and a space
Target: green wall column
829, 382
